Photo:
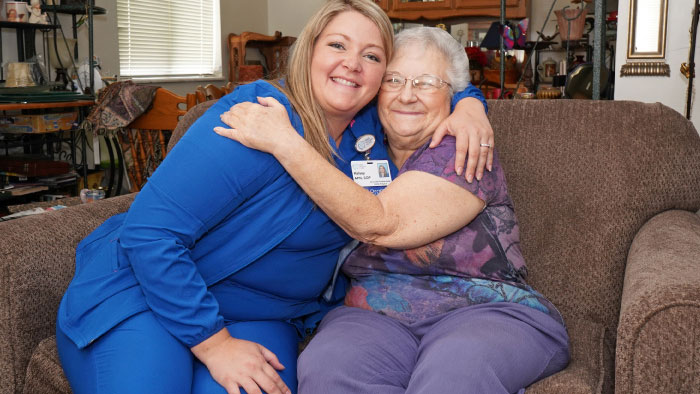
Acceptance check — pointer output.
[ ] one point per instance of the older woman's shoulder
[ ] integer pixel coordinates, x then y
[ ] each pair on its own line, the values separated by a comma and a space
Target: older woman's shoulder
440, 161
444, 153
433, 160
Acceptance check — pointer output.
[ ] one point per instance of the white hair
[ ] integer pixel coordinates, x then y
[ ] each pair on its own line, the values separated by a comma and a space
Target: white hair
432, 37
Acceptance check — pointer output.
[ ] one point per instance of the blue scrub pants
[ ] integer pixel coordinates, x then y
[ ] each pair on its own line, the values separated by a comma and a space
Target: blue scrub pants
140, 356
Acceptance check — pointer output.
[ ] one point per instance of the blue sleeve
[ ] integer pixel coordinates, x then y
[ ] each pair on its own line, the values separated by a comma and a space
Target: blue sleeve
470, 91
199, 184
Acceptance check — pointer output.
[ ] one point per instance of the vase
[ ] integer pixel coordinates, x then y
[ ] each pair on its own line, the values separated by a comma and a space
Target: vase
570, 25
63, 59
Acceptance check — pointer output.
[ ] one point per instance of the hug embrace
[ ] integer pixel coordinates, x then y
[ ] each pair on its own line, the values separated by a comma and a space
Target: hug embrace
255, 232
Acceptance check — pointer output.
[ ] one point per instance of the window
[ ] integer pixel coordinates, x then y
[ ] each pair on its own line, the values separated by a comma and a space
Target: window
169, 38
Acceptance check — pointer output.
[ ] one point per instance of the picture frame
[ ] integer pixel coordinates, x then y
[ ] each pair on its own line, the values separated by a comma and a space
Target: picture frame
647, 29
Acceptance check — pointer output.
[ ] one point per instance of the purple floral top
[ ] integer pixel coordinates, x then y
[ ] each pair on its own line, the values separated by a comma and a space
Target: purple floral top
480, 263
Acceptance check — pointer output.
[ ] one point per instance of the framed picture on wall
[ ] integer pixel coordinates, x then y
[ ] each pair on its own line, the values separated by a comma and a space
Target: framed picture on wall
477, 32
404, 25
460, 33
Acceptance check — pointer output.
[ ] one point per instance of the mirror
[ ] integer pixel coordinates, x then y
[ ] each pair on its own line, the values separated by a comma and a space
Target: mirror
647, 29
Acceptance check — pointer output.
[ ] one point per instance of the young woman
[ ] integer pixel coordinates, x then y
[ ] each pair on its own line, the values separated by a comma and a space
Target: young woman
209, 281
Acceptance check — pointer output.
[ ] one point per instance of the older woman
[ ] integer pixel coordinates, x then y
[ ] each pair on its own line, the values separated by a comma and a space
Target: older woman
209, 281
448, 316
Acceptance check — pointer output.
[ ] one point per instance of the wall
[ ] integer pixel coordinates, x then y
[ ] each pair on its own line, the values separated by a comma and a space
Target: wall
670, 91
289, 17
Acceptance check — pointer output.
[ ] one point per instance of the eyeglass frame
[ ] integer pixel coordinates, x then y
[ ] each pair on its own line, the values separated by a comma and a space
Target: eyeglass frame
413, 82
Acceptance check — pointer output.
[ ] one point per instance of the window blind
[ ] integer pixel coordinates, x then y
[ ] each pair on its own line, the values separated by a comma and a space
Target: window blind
169, 38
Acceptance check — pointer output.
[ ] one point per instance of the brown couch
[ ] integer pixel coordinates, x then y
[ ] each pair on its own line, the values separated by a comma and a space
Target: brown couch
606, 193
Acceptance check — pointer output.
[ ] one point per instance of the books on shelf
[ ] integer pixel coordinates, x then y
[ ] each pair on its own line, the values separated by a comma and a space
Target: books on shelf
68, 178
21, 190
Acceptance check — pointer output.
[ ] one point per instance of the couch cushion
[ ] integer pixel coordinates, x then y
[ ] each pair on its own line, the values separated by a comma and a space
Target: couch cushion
36, 265
44, 372
589, 365
585, 374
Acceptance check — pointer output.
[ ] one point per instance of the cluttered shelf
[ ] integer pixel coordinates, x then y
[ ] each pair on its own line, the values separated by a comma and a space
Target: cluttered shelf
43, 152
40, 150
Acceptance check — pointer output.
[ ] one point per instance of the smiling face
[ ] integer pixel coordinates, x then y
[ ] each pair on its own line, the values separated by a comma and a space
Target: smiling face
410, 115
347, 66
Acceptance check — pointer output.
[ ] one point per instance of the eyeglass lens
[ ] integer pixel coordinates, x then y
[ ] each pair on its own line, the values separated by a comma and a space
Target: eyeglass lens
423, 82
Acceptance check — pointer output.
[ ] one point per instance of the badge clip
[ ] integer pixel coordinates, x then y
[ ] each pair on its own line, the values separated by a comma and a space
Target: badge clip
364, 144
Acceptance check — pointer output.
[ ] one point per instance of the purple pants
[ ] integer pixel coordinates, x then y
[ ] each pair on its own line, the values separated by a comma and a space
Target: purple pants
488, 348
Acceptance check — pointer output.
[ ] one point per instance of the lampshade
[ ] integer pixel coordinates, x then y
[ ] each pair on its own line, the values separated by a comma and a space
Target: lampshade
514, 35
492, 39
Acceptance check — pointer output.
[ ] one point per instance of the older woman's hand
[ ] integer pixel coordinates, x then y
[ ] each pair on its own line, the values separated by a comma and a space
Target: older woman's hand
265, 126
470, 126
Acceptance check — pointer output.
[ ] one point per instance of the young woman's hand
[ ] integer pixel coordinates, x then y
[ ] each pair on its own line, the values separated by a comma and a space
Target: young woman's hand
235, 363
265, 126
470, 126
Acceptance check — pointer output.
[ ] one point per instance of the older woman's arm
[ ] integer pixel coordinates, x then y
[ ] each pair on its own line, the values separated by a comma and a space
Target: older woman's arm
415, 209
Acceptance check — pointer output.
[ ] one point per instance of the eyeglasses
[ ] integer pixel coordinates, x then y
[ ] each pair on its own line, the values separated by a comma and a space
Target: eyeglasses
425, 82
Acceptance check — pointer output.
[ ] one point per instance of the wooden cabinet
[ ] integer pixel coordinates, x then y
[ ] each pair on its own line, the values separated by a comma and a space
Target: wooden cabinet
429, 6
442, 9
384, 4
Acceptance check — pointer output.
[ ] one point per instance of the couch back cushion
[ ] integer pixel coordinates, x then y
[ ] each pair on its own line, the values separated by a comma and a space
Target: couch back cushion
36, 265
584, 176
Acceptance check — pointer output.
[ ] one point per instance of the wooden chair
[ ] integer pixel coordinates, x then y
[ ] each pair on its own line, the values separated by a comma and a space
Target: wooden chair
212, 92
145, 140
274, 48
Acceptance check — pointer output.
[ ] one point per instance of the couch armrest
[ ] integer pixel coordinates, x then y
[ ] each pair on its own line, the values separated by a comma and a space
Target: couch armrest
658, 336
37, 261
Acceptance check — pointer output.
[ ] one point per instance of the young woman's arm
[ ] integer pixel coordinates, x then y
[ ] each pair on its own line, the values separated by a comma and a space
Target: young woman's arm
196, 188
470, 126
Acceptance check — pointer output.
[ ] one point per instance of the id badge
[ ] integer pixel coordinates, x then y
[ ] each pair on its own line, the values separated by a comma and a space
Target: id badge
371, 173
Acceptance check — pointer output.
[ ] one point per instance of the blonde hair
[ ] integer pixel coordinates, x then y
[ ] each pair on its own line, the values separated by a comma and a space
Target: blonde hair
297, 85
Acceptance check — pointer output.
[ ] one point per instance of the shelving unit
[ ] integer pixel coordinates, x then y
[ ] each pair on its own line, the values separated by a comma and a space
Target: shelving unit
26, 49
74, 10
574, 48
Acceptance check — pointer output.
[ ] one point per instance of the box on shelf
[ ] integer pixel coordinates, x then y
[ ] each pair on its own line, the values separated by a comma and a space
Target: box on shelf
42, 123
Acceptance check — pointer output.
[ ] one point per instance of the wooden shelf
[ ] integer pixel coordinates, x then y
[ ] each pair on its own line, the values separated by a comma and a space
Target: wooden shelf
62, 104
26, 25
74, 9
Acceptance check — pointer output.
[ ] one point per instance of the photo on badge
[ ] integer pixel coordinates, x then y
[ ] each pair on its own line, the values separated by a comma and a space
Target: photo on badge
383, 172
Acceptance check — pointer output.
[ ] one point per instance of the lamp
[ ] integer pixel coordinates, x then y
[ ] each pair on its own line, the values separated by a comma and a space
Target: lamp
492, 38
514, 35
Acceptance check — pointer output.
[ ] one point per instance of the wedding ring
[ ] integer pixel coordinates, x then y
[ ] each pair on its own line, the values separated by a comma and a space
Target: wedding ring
485, 145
